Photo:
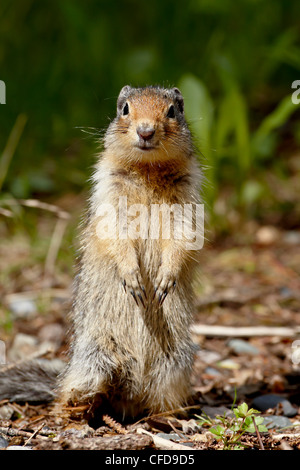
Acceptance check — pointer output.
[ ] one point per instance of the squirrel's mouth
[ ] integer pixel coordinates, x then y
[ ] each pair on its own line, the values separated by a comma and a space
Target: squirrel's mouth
145, 146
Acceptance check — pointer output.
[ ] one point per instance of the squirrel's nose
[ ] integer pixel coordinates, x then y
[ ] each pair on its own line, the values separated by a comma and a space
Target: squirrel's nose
145, 132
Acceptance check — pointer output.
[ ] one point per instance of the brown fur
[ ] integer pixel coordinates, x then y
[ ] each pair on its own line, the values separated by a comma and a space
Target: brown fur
133, 298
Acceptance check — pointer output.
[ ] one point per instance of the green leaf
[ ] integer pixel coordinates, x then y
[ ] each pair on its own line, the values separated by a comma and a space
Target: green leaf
265, 133
258, 419
262, 428
218, 430
199, 109
249, 425
248, 421
203, 420
232, 126
11, 146
235, 427
242, 410
238, 447
250, 428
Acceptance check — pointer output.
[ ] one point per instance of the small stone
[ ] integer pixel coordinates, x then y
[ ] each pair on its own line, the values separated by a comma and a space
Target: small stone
212, 371
170, 437
264, 402
240, 346
23, 345
267, 235
174, 437
6, 412
285, 292
78, 431
276, 422
228, 364
3, 442
291, 237
208, 357
22, 308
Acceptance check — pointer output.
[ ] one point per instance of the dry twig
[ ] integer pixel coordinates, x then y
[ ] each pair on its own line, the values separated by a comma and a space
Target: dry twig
54, 246
261, 446
245, 331
16, 432
179, 434
34, 434
162, 443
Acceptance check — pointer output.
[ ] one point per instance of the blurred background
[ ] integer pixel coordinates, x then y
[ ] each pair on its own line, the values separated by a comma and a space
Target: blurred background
64, 62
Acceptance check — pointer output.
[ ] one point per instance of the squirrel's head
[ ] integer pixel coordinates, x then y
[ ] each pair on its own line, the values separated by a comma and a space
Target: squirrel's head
149, 126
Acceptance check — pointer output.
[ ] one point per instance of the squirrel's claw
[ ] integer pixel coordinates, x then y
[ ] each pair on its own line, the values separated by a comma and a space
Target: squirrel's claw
133, 295
136, 289
163, 287
162, 297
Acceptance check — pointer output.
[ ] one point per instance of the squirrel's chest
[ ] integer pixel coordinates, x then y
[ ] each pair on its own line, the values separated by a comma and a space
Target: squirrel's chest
148, 191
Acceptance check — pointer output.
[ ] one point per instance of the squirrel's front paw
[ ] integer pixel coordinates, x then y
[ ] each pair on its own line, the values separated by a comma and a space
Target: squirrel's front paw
165, 281
133, 282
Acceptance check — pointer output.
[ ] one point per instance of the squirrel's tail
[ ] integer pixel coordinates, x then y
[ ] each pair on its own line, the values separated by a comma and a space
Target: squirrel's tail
31, 381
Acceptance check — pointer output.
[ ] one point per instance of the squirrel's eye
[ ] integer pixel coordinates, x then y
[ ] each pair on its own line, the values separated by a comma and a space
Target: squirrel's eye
171, 112
126, 109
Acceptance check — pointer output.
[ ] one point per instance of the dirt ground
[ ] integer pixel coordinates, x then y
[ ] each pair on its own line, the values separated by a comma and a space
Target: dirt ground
244, 284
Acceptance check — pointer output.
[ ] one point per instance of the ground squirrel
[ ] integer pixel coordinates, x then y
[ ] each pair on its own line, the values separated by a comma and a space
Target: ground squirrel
133, 299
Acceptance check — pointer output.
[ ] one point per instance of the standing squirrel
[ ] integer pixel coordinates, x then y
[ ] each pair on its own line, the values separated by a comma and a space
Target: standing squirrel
133, 298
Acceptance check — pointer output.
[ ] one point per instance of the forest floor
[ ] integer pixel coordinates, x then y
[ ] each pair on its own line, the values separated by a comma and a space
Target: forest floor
246, 331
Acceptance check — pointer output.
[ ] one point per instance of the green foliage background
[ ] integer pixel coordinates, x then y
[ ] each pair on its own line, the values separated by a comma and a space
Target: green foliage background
64, 62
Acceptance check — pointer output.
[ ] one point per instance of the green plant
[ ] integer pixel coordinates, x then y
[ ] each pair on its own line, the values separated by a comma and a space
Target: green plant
230, 429
233, 152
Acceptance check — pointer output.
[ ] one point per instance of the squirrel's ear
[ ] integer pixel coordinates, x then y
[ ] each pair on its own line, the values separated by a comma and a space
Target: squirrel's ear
179, 99
122, 97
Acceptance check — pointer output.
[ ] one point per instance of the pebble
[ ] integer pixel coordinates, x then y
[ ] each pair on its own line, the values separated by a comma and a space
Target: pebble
208, 357
170, 437
267, 235
27, 345
3, 442
285, 292
228, 364
6, 412
23, 345
291, 237
22, 308
78, 432
212, 371
276, 422
174, 437
240, 346
264, 402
